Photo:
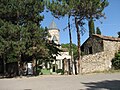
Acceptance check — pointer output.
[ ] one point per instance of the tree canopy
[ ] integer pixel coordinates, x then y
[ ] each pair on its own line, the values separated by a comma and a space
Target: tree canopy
98, 31
19, 27
118, 34
80, 10
21, 34
21, 11
74, 49
91, 27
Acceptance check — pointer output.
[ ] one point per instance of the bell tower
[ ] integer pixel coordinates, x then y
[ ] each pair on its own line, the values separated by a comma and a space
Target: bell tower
54, 32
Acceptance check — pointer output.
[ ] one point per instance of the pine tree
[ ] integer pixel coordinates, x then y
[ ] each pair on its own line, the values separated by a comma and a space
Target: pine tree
81, 10
98, 31
91, 27
21, 36
59, 12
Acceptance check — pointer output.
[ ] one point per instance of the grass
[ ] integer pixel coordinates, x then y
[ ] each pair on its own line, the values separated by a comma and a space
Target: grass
113, 71
45, 72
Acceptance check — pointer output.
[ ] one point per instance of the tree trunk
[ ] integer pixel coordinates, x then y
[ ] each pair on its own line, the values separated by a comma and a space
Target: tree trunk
36, 67
70, 36
78, 41
4, 67
4, 63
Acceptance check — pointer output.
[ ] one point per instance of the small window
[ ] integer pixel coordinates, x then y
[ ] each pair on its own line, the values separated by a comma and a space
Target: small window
54, 38
90, 50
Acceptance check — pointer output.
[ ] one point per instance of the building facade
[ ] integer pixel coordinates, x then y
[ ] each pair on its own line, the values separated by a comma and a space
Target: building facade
63, 59
98, 52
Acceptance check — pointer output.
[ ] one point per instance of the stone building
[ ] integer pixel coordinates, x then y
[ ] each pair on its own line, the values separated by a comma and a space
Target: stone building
98, 52
54, 33
62, 60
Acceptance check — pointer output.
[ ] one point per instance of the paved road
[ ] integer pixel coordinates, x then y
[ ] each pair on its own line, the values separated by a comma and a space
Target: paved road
81, 82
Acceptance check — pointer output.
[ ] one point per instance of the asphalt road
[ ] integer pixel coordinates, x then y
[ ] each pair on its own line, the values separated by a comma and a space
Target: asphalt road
58, 82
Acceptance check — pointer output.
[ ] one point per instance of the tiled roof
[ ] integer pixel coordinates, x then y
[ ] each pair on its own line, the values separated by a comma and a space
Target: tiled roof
107, 37
103, 38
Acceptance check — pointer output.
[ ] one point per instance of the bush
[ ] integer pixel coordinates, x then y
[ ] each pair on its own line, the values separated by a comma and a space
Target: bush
116, 61
59, 71
45, 71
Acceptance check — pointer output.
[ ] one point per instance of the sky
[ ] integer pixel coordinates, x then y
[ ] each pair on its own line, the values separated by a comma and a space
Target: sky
109, 26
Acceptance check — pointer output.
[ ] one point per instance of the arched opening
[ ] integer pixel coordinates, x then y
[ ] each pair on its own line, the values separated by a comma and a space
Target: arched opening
54, 38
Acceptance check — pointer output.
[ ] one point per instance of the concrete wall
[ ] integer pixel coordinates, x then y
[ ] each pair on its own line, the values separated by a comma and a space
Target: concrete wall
102, 60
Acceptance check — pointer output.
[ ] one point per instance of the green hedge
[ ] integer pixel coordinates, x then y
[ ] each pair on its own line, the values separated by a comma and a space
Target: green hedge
45, 71
116, 61
60, 71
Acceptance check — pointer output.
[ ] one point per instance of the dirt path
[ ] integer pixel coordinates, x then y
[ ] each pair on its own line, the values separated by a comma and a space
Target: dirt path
81, 82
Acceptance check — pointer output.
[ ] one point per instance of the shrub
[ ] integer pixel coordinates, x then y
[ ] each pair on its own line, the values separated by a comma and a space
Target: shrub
45, 71
59, 71
116, 61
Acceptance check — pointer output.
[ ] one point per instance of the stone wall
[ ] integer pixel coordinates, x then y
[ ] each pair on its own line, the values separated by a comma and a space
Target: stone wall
102, 60
112, 46
92, 46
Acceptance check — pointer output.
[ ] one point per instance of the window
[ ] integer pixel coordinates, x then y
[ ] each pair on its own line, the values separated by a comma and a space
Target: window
90, 50
54, 38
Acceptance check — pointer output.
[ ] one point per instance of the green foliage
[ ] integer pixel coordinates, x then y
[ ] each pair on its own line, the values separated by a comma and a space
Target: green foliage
116, 61
87, 8
53, 49
9, 41
45, 71
20, 12
98, 31
80, 10
91, 27
74, 49
19, 28
60, 71
65, 46
58, 8
118, 34
21, 36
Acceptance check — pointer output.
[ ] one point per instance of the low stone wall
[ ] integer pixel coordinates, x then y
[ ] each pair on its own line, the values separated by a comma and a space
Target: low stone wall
96, 62
102, 60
